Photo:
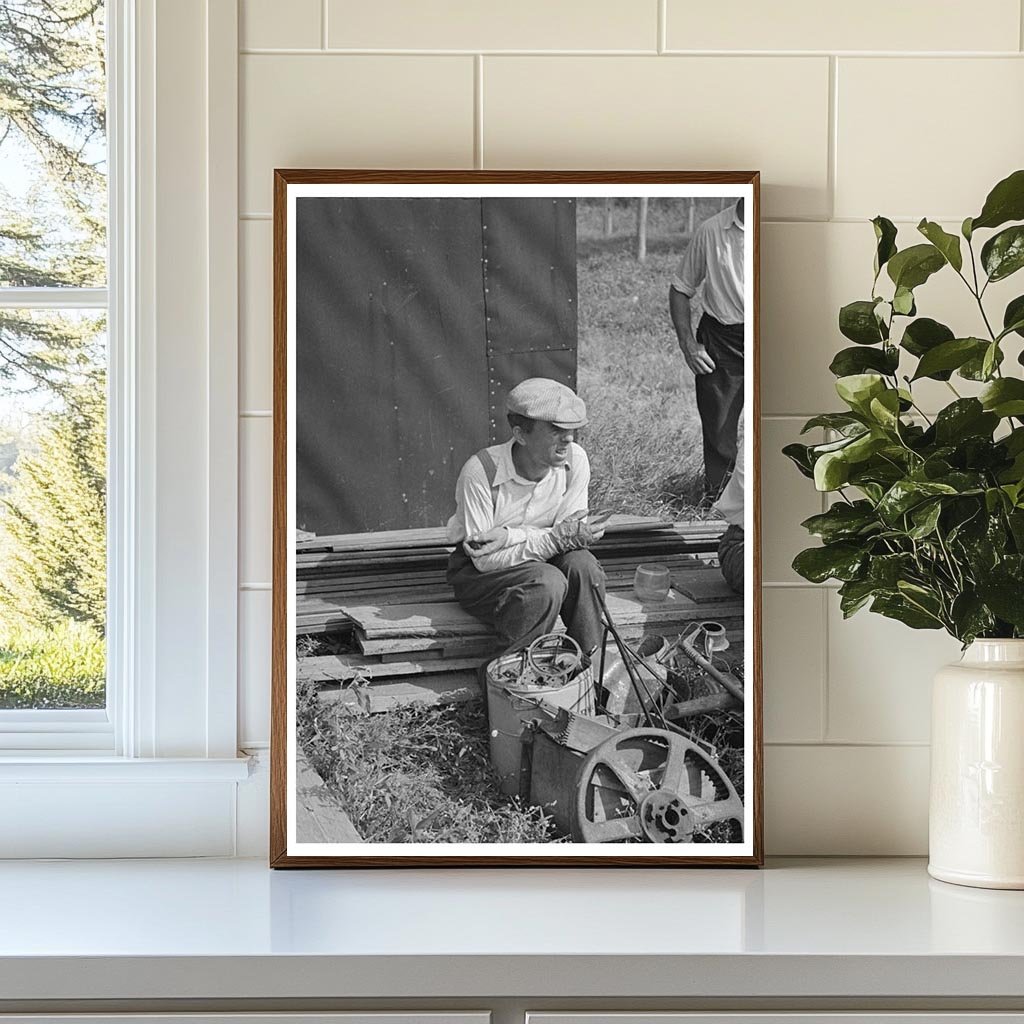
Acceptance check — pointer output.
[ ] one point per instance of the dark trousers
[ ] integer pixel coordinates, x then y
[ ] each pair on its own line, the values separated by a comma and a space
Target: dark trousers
730, 557
720, 399
523, 603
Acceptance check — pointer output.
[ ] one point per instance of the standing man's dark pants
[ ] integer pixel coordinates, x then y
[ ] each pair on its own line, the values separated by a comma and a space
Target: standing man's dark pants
524, 602
720, 399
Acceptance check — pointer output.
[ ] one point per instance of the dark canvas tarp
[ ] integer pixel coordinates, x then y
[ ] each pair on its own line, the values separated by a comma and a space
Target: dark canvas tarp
413, 319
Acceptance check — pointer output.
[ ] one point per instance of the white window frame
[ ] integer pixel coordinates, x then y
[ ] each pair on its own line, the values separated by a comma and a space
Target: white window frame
168, 740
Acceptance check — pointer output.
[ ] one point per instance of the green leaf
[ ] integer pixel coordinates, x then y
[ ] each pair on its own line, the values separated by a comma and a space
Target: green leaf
854, 594
948, 356
1005, 202
974, 368
898, 608
885, 410
947, 244
850, 361
1001, 591
965, 229
1004, 397
886, 571
800, 456
991, 360
903, 302
904, 495
885, 237
971, 617
831, 471
857, 321
858, 389
911, 267
833, 420
840, 561
966, 417
925, 518
1003, 254
924, 334
1013, 317
842, 521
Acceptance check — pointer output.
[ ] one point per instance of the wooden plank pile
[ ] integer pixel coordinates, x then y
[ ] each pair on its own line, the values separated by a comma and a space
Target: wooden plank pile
385, 593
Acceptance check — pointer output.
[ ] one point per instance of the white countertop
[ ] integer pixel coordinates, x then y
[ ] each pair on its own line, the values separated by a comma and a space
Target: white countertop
234, 929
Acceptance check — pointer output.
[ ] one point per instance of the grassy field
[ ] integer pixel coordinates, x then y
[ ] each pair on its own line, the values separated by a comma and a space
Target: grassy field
61, 667
643, 438
416, 774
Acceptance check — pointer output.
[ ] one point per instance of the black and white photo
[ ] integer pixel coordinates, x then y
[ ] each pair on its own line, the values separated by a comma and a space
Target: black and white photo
516, 565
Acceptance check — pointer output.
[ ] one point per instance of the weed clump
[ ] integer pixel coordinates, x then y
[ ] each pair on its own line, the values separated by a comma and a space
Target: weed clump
415, 774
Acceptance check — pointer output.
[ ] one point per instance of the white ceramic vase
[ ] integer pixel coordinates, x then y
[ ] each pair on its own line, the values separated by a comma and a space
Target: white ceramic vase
976, 815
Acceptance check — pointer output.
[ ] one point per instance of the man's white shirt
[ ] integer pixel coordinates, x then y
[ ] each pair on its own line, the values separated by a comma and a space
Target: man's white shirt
527, 508
715, 256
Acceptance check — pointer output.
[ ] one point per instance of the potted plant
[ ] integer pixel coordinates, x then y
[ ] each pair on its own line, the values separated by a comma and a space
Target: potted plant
926, 524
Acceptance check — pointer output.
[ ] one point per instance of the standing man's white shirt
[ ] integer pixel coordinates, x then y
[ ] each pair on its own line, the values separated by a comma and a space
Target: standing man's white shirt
715, 256
730, 504
528, 509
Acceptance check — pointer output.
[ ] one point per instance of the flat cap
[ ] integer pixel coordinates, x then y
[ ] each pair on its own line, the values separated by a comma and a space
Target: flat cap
540, 398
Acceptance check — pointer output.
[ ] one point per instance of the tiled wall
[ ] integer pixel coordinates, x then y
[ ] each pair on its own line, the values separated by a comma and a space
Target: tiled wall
907, 109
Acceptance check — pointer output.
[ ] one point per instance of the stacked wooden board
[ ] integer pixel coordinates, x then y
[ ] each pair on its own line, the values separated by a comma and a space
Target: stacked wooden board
385, 593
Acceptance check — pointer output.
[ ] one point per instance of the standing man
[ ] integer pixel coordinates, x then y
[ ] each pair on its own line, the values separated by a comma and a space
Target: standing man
714, 258
521, 526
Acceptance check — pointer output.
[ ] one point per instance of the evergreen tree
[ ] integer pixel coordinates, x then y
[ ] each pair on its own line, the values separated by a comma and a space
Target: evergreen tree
53, 519
52, 234
52, 124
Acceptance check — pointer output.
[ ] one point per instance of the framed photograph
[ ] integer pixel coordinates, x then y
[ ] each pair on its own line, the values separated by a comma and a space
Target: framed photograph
516, 612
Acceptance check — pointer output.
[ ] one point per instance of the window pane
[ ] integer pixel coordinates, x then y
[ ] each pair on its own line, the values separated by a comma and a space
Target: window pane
53, 148
52, 509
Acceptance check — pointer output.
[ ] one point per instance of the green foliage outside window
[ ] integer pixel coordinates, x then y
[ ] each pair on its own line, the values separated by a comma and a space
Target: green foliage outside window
52, 365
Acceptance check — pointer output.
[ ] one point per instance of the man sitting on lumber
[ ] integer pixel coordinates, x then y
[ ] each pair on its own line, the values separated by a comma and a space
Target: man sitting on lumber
521, 524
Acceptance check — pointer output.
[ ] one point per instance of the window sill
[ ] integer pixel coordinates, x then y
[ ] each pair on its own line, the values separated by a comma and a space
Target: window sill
77, 766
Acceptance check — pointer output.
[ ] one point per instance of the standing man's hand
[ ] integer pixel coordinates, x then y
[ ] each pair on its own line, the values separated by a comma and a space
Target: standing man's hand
696, 355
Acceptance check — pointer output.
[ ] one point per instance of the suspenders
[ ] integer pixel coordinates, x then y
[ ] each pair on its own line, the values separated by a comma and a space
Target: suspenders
490, 468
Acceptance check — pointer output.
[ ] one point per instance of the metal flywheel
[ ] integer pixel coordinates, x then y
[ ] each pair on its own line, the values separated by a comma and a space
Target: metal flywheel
653, 786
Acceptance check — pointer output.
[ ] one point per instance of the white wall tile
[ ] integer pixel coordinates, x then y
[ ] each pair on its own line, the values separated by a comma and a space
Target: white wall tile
787, 499
620, 112
269, 24
930, 165
358, 111
254, 612
794, 642
768, 113
846, 801
476, 25
255, 506
879, 677
869, 25
255, 323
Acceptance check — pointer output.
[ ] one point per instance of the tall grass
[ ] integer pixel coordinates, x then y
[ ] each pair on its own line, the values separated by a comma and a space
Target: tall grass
644, 437
415, 774
60, 667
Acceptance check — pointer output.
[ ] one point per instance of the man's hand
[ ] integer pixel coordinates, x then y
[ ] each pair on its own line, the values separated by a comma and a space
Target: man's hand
696, 355
576, 532
486, 543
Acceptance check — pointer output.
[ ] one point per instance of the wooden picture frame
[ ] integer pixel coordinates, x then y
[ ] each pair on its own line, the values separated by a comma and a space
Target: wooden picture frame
346, 319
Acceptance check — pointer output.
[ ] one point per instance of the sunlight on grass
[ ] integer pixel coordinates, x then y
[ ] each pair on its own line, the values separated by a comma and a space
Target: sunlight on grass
61, 667
644, 438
